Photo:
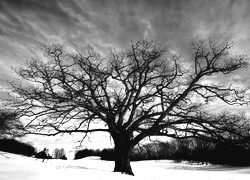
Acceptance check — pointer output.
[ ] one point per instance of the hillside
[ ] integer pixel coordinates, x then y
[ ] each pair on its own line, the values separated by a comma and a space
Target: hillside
16, 167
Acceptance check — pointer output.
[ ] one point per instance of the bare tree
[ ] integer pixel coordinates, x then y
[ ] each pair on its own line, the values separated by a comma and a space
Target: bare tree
10, 125
58, 153
132, 94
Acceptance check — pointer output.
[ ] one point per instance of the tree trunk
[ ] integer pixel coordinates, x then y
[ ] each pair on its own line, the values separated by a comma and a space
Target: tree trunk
122, 156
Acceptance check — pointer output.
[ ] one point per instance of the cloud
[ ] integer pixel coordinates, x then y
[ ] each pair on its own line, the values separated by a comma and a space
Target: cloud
104, 23
113, 23
27, 23
175, 23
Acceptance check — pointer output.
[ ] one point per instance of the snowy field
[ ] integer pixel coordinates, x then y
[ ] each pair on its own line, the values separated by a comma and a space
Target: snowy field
16, 167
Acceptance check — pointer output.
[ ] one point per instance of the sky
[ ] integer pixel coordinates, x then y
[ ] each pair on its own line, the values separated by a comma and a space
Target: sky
25, 24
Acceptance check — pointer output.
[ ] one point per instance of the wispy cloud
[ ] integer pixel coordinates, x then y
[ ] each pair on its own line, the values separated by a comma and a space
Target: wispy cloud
27, 23
24, 24
114, 23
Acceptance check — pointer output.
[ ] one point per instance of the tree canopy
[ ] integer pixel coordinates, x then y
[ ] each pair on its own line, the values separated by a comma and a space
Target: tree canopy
140, 92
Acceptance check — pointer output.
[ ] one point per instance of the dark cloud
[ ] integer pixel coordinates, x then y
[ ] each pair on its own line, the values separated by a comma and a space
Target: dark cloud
26, 23
174, 22
47, 17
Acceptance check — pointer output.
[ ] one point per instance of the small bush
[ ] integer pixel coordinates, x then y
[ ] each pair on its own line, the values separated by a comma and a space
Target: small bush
107, 154
87, 152
44, 154
17, 147
59, 154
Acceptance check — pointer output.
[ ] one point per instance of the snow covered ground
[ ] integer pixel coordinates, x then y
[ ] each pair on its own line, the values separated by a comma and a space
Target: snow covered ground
16, 167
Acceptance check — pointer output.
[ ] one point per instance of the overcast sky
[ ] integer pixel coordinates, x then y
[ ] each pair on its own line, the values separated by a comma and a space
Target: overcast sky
24, 24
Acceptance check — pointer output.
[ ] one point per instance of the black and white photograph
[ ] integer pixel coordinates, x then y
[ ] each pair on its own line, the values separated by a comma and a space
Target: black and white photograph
124, 89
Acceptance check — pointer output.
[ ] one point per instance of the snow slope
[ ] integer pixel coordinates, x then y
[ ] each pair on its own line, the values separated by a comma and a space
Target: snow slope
16, 167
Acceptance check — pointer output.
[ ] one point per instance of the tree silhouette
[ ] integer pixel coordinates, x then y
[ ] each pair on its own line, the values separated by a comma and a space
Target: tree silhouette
132, 94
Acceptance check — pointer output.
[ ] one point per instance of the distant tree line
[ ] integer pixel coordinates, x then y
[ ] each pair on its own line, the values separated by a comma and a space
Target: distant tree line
26, 149
193, 150
11, 128
17, 147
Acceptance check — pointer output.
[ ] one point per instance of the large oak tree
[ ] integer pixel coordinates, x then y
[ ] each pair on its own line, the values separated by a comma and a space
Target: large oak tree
140, 92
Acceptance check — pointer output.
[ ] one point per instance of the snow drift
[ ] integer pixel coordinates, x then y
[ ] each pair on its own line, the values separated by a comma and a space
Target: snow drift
16, 167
